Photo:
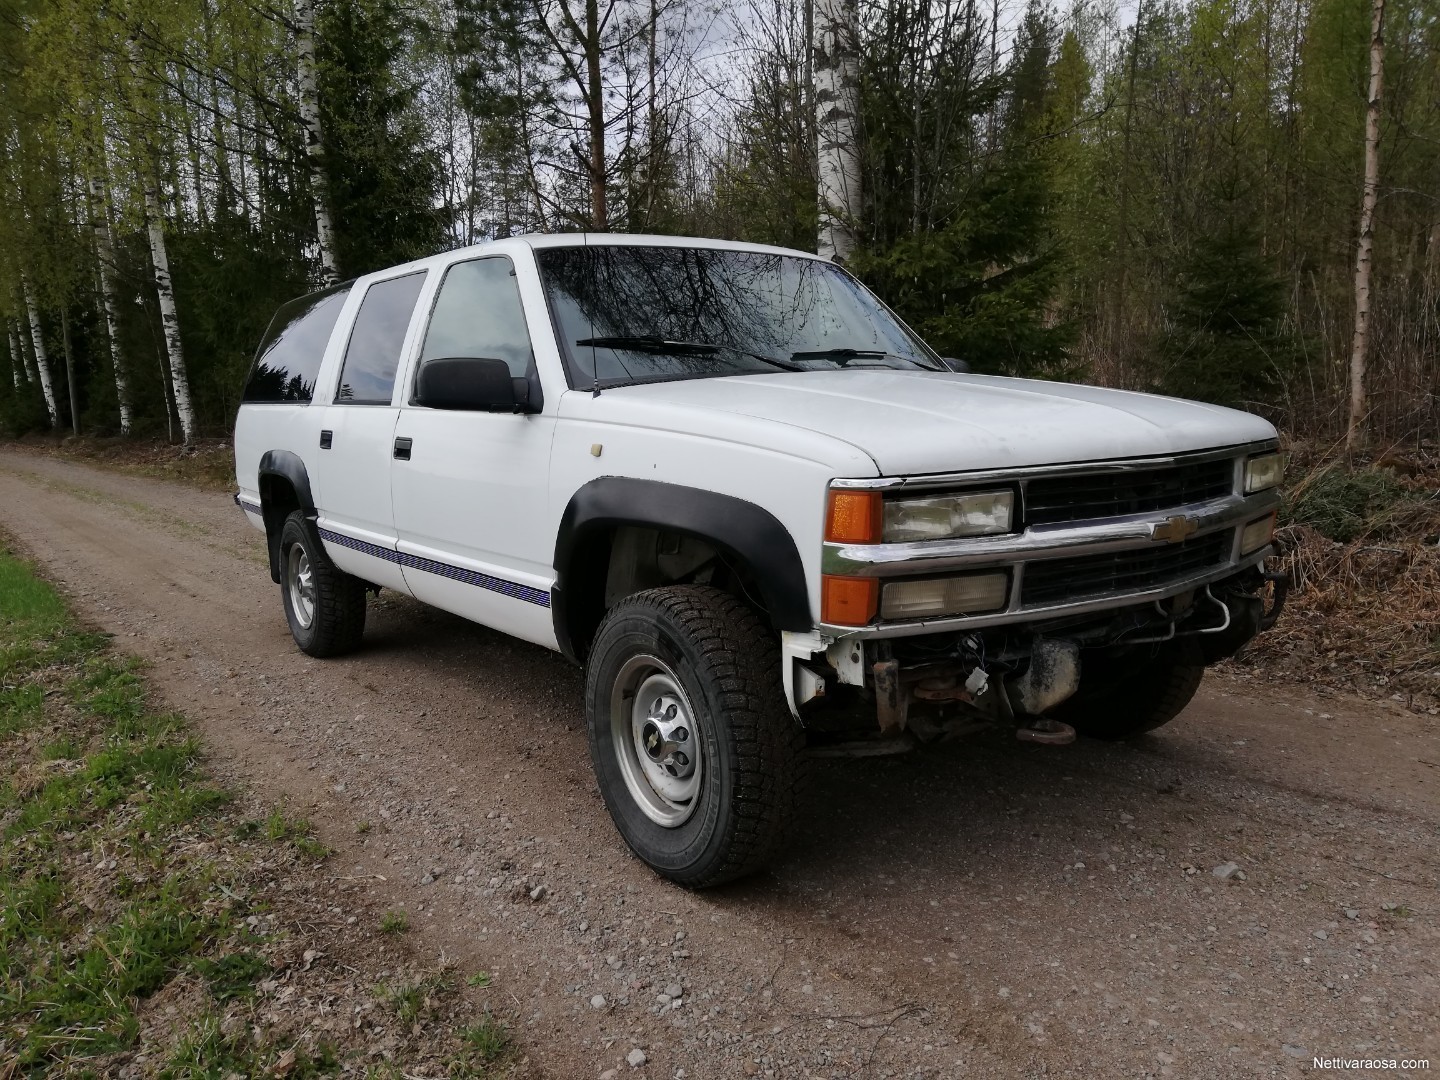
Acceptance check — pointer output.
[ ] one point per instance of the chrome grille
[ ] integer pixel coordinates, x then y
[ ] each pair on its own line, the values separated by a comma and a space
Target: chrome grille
1083, 497
1056, 581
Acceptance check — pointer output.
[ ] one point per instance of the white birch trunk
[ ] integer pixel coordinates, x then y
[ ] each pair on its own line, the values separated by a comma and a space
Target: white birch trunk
105, 256
314, 136
837, 107
17, 357
42, 360
1360, 347
169, 320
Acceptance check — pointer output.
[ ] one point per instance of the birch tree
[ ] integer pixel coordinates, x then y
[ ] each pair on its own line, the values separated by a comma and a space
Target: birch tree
169, 318
42, 362
160, 264
17, 358
105, 258
837, 107
1364, 247
309, 101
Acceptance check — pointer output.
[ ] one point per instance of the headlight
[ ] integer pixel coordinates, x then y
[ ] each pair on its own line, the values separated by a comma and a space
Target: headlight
1263, 472
1257, 534
927, 598
981, 514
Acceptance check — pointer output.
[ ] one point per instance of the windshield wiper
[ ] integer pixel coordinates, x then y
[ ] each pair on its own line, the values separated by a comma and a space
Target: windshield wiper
842, 357
650, 343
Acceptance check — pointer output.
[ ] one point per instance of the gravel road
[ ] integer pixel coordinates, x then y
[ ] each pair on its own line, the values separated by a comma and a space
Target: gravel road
984, 909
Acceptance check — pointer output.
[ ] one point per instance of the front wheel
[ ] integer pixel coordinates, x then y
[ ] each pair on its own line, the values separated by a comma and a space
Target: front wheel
697, 756
324, 606
1128, 692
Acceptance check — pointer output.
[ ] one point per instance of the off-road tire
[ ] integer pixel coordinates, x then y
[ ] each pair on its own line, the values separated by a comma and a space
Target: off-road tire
1129, 692
338, 622
727, 660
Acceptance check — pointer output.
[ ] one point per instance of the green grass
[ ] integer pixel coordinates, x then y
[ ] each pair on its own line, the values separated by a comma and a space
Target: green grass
413, 1001
122, 869
487, 1041
394, 922
297, 833
108, 779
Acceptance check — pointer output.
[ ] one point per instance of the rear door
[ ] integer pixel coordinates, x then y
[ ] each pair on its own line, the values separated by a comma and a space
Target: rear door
471, 499
357, 437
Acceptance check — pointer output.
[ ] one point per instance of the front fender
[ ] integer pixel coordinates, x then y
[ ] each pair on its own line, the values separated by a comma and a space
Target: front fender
741, 530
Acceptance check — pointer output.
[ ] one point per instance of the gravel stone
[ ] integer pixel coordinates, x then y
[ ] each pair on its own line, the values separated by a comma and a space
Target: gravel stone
635, 1058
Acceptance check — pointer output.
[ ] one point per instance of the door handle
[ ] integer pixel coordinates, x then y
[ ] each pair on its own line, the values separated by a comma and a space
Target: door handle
326, 439
402, 449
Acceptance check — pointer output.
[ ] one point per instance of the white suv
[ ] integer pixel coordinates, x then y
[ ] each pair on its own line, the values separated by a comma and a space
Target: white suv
766, 517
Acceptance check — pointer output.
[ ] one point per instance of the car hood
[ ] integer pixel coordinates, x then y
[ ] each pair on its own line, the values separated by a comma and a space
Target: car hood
912, 422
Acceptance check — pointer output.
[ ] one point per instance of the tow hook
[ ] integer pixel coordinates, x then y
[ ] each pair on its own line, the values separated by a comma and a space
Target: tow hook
1046, 732
1277, 600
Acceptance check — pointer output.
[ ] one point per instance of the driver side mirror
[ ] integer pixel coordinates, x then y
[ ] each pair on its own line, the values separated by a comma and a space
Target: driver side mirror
475, 384
955, 365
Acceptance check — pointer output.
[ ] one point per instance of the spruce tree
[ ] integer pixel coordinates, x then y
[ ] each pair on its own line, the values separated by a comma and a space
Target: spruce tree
1226, 340
384, 177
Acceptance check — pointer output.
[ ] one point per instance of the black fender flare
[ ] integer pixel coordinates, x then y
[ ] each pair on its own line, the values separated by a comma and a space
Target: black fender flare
285, 465
739, 529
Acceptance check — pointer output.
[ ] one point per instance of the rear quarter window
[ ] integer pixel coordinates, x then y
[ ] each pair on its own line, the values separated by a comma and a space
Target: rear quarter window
288, 360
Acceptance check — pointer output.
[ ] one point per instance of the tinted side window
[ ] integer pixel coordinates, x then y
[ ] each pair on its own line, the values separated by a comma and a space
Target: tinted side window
290, 353
368, 374
478, 313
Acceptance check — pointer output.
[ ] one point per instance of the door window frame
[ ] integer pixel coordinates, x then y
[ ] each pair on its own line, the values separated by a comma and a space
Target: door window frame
417, 347
407, 343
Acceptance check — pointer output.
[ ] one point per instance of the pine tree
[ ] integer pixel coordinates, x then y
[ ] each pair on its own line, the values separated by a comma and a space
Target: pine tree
383, 177
1227, 341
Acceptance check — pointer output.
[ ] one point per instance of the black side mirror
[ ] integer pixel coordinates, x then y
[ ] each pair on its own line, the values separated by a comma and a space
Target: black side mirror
955, 365
477, 384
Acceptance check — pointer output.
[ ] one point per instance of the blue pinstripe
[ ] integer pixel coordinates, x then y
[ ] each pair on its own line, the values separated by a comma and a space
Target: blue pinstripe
513, 589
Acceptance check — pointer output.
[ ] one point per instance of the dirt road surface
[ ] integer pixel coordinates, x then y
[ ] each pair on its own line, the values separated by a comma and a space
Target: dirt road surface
984, 909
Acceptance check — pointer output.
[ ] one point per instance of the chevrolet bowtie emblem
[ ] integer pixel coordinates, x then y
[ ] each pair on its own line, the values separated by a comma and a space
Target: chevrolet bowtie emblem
1175, 529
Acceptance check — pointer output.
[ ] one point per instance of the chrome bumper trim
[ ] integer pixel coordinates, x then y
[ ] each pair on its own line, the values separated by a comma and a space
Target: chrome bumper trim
1133, 532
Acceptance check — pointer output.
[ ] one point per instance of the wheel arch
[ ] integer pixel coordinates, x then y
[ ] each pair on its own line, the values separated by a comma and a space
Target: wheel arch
284, 485
739, 530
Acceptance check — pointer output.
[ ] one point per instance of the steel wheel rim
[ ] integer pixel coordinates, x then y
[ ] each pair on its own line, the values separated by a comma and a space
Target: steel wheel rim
300, 581
657, 740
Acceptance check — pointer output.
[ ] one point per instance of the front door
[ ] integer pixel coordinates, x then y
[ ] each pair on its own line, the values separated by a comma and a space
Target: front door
471, 500
357, 443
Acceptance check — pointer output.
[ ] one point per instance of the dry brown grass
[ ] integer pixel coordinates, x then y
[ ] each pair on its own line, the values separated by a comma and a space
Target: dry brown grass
1364, 615
208, 463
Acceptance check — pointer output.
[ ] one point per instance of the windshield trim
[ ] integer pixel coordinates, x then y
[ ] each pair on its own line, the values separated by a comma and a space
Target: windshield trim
574, 372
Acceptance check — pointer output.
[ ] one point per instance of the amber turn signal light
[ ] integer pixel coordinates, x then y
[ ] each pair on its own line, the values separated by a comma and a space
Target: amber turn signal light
848, 601
854, 517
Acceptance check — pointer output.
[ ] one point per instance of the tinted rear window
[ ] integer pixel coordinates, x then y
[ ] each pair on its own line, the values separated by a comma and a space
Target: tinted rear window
289, 356
368, 375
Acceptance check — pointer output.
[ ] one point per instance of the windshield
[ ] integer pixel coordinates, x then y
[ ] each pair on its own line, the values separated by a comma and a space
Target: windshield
630, 314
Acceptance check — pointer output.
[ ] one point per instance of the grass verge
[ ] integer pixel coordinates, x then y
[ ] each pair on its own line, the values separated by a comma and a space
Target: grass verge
149, 926
207, 464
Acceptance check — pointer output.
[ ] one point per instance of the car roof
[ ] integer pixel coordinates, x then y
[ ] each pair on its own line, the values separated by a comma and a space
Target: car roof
595, 239
544, 241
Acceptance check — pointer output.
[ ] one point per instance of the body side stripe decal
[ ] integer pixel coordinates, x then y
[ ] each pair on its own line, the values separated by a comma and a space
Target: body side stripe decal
512, 589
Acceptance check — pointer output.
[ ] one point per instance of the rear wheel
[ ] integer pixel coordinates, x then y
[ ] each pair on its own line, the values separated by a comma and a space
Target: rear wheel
1128, 692
324, 606
697, 756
